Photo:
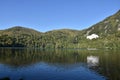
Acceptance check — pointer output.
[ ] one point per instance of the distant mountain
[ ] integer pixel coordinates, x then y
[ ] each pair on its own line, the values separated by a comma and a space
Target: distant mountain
107, 32
18, 30
63, 32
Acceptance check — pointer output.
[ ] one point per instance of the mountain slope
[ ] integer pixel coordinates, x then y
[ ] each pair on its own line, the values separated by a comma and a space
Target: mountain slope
109, 25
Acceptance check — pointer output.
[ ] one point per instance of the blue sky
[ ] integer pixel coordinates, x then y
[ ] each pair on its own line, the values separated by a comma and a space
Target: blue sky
46, 15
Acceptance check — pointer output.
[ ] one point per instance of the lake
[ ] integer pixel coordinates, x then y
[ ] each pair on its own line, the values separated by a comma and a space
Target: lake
56, 64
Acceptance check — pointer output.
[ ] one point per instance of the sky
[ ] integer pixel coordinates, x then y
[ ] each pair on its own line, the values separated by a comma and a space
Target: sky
46, 15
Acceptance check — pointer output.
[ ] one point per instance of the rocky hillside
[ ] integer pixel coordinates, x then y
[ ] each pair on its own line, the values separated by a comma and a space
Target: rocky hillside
109, 25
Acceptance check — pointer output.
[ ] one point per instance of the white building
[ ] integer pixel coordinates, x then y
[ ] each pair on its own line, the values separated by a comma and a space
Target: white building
92, 36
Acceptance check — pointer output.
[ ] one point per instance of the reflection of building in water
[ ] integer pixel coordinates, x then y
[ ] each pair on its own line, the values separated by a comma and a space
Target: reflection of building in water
92, 60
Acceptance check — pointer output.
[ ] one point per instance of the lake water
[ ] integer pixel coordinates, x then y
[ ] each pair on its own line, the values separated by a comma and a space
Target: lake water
70, 64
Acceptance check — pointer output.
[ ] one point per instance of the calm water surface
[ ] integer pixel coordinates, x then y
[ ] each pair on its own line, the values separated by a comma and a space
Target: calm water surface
36, 64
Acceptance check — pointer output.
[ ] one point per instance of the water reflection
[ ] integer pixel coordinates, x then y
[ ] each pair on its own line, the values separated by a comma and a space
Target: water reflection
36, 64
92, 60
22, 57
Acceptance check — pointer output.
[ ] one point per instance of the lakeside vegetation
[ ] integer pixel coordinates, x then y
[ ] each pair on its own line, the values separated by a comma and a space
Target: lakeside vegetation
108, 31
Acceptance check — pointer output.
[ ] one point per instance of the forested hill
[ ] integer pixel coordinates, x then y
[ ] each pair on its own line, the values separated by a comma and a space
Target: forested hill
18, 30
18, 36
108, 32
24, 37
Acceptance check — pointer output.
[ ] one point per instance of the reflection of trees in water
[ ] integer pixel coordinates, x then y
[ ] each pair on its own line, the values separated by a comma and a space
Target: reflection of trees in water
19, 57
109, 65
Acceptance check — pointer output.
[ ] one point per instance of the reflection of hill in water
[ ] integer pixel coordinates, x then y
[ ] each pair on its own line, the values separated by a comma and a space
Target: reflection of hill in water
108, 65
19, 57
